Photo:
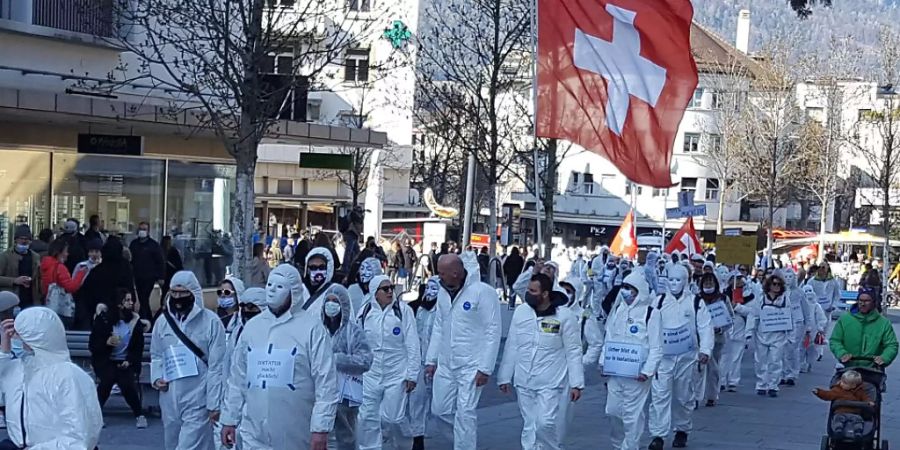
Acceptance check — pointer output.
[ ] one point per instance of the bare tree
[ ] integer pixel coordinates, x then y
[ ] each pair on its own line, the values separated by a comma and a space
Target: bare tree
239, 66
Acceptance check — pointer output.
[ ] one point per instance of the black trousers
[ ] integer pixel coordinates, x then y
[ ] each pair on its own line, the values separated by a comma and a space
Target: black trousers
144, 289
127, 379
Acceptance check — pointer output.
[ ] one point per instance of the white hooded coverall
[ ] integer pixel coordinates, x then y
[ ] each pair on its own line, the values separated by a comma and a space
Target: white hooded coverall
316, 299
391, 333
187, 402
828, 295
627, 397
770, 345
821, 321
737, 339
804, 323
275, 416
420, 398
51, 404
542, 357
465, 340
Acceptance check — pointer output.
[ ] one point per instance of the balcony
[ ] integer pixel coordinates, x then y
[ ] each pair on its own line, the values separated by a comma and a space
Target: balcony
82, 21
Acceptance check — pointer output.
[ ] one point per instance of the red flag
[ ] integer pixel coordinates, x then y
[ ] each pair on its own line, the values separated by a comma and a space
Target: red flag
685, 240
615, 77
625, 242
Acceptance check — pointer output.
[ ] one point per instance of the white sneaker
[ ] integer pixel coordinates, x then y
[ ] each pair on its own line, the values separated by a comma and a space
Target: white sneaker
141, 422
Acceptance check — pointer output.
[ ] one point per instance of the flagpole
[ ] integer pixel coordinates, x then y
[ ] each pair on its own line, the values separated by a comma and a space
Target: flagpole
534, 103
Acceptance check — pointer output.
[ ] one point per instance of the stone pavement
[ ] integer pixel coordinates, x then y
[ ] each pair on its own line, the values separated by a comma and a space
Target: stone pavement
793, 421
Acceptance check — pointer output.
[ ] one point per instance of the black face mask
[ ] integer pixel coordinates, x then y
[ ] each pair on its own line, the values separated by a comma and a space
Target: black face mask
532, 300
125, 314
182, 305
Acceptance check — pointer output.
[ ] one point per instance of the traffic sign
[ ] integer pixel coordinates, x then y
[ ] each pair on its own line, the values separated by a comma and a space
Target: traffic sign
688, 211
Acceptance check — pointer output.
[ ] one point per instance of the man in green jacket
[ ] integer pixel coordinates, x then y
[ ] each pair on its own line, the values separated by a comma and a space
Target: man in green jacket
864, 333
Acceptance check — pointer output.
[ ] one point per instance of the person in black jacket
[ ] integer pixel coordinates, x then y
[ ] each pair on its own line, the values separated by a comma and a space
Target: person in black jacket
102, 284
77, 245
173, 262
117, 347
148, 265
512, 268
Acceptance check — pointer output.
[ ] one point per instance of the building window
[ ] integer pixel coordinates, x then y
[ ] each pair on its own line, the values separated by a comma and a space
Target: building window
588, 184
351, 119
279, 61
716, 99
356, 65
697, 99
689, 185
606, 182
359, 5
660, 192
691, 142
712, 189
282, 3
313, 110
629, 186
715, 143
285, 187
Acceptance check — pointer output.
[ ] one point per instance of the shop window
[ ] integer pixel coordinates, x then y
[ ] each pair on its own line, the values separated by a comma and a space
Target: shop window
285, 187
24, 193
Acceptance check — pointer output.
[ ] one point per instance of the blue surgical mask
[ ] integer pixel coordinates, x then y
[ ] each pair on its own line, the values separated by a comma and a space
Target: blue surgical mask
627, 296
21, 249
226, 302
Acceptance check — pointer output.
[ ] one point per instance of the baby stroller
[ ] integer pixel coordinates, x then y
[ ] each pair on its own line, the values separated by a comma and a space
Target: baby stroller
870, 438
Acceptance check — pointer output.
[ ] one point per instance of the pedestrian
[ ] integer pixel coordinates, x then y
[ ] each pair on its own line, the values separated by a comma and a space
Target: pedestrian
42, 243
291, 408
51, 402
102, 284
770, 326
94, 232
828, 296
688, 340
803, 319
319, 278
419, 411
148, 267
352, 358
409, 263
390, 327
512, 267
76, 243
323, 241
186, 365
634, 325
258, 269
117, 348
542, 332
864, 338
228, 298
484, 262
721, 320
463, 348
396, 263
359, 290
174, 264
85, 303
810, 351
57, 284
741, 295
20, 269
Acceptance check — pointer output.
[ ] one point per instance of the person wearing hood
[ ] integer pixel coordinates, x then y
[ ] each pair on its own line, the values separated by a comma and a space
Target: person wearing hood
721, 317
20, 268
102, 284
828, 295
319, 277
603, 273
543, 358
549, 268
117, 349
634, 325
390, 327
864, 334
51, 402
293, 407
651, 272
420, 397
352, 358
771, 325
688, 340
186, 365
463, 348
810, 352
359, 291
741, 296
228, 298
803, 319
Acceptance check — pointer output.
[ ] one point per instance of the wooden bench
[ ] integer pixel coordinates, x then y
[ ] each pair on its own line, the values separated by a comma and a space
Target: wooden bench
80, 352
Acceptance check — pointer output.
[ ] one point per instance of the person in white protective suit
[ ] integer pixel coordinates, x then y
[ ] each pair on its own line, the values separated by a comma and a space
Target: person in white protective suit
420, 398
721, 317
549, 268
359, 291
803, 319
352, 358
687, 341
742, 296
187, 356
51, 404
282, 388
463, 348
810, 353
633, 324
318, 278
603, 273
579, 268
543, 358
770, 323
828, 295
390, 327
651, 272
251, 303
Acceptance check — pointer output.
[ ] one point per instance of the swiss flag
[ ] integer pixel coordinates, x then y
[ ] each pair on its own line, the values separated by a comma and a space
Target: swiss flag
685, 240
615, 77
625, 242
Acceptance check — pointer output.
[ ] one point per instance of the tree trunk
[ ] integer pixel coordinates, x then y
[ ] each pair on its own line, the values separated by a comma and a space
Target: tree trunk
770, 238
242, 210
492, 220
823, 225
886, 252
720, 217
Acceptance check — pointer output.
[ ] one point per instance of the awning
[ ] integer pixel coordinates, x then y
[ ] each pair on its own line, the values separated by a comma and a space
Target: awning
846, 238
792, 234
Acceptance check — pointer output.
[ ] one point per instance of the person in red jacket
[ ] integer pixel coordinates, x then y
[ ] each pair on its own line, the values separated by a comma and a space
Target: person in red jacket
53, 269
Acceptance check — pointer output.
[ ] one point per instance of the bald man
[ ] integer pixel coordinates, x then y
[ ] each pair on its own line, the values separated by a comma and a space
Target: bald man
463, 348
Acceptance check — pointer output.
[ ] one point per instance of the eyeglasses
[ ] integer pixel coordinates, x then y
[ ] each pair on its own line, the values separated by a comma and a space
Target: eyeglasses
386, 289
779, 284
224, 292
311, 268
180, 294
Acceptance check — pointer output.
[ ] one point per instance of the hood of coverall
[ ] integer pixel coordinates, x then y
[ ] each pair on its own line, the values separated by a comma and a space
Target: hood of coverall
343, 299
637, 280
239, 287
188, 280
790, 278
329, 263
256, 296
299, 294
373, 287
43, 331
470, 263
651, 270
679, 271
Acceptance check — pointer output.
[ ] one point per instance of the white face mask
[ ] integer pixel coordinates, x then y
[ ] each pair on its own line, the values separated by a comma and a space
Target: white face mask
790, 279
317, 276
332, 309
627, 296
366, 273
709, 290
278, 291
431, 290
226, 302
142, 234
676, 283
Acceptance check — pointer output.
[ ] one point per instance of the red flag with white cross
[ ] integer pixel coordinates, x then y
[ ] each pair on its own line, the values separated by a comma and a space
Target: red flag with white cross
615, 77
685, 240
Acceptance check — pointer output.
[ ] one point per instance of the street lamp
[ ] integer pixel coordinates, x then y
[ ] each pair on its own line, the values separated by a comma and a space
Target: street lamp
676, 179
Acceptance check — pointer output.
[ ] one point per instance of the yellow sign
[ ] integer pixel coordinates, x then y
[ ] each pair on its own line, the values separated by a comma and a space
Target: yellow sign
736, 250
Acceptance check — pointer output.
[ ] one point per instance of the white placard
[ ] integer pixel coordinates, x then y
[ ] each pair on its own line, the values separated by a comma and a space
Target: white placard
677, 341
774, 319
351, 387
271, 368
719, 316
623, 360
797, 312
180, 363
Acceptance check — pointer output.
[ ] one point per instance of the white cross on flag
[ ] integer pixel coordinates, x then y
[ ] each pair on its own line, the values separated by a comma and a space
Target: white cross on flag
615, 77
685, 240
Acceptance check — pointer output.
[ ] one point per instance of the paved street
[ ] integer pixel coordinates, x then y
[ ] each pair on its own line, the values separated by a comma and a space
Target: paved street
794, 421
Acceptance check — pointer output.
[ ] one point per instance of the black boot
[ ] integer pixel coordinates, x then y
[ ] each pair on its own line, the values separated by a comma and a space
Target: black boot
656, 444
680, 440
418, 443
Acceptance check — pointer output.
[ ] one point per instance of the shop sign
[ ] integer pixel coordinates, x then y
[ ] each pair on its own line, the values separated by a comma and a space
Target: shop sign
107, 144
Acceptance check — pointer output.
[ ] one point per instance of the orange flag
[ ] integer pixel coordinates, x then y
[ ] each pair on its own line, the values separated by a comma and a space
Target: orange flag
625, 242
